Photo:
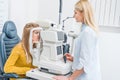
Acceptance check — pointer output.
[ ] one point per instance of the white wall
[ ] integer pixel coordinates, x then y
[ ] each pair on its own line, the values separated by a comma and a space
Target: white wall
18, 14
24, 11
3, 13
110, 55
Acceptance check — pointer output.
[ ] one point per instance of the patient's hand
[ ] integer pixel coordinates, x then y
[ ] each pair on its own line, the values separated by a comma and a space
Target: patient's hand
69, 56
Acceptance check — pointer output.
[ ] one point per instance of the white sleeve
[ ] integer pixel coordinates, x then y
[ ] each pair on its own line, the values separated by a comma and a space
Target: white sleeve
87, 46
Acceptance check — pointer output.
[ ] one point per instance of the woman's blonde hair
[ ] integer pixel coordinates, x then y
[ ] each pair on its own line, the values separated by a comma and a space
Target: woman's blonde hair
25, 39
85, 7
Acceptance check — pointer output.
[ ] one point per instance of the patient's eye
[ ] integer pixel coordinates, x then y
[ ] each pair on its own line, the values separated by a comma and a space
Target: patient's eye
36, 32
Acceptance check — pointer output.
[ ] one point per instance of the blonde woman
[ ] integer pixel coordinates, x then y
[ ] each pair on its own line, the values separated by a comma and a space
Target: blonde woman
20, 59
86, 60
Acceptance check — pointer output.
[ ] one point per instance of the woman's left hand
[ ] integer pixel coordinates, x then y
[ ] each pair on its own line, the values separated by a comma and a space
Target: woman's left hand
60, 78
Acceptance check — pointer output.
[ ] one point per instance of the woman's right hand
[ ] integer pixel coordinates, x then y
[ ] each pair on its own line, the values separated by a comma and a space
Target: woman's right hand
69, 56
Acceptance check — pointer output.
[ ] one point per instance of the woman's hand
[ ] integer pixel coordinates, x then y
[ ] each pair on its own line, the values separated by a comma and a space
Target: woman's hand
60, 78
69, 56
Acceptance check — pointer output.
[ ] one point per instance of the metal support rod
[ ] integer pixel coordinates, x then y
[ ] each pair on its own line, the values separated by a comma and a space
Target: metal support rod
64, 22
60, 11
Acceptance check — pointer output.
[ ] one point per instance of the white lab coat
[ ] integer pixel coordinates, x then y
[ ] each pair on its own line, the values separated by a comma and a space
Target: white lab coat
86, 54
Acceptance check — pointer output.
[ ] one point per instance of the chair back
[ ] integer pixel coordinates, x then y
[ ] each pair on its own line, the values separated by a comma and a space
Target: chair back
8, 39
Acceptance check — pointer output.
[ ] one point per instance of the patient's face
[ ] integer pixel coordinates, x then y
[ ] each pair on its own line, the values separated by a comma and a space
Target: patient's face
35, 36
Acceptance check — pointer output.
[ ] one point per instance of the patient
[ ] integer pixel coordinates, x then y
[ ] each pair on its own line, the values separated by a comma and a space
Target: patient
20, 59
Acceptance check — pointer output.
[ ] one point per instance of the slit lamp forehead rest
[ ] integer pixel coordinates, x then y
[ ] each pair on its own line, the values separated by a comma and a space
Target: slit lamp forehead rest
30, 39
